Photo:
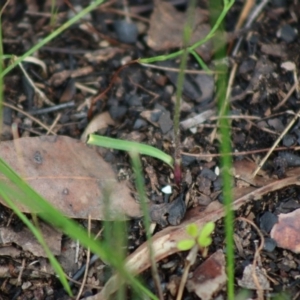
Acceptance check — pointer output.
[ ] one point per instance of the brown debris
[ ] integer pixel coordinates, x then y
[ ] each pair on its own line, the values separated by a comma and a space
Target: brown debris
209, 277
286, 232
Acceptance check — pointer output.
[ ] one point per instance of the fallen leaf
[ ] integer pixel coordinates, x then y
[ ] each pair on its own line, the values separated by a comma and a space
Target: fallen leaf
209, 277
100, 121
28, 242
286, 232
166, 16
248, 281
71, 176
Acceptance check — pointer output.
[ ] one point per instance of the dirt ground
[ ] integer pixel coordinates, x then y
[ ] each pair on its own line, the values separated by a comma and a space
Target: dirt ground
77, 86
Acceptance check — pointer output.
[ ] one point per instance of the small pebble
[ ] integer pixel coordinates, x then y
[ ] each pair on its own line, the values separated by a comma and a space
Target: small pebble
287, 33
117, 112
288, 140
139, 123
269, 245
167, 189
217, 170
209, 174
267, 221
126, 32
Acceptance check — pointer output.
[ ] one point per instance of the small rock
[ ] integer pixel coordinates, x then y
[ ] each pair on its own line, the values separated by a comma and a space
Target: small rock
288, 140
269, 245
209, 174
134, 100
139, 123
267, 221
126, 32
117, 112
165, 122
287, 33
167, 189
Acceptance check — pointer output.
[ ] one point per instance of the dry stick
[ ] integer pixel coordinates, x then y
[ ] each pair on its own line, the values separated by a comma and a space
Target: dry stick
36, 89
206, 155
276, 143
88, 254
54, 123
288, 95
100, 95
169, 69
228, 92
257, 251
190, 260
28, 116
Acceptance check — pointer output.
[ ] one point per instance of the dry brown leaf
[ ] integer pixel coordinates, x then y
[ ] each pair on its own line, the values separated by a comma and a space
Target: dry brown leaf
100, 121
70, 175
166, 16
28, 242
164, 242
286, 232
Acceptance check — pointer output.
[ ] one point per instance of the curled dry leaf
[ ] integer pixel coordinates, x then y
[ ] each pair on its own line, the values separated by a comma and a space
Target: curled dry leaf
164, 242
71, 176
286, 232
100, 121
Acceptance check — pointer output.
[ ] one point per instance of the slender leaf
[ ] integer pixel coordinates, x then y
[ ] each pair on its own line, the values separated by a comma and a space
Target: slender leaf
118, 144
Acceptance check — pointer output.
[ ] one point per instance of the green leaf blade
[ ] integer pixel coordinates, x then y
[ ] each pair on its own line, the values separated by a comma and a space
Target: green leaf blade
129, 146
185, 245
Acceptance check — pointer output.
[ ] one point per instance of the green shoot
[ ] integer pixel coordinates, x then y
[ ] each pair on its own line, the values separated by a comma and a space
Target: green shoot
187, 33
54, 11
200, 238
128, 146
225, 144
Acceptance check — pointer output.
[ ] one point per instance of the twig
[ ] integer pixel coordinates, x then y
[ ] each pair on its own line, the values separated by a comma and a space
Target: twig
256, 255
54, 123
288, 95
52, 108
190, 260
276, 143
36, 89
28, 116
87, 262
168, 69
205, 155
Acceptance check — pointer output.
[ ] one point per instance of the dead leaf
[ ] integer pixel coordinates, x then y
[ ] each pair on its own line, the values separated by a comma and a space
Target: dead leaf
286, 232
164, 243
209, 277
100, 121
28, 242
70, 175
248, 281
166, 16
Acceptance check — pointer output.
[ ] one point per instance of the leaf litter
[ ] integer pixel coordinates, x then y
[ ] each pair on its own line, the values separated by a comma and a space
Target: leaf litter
73, 177
89, 56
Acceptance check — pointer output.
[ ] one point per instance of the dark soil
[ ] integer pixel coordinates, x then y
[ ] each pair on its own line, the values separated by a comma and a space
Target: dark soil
82, 63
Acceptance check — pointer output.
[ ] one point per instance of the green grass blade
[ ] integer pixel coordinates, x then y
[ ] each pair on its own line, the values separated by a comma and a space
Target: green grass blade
128, 146
139, 181
51, 36
225, 133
